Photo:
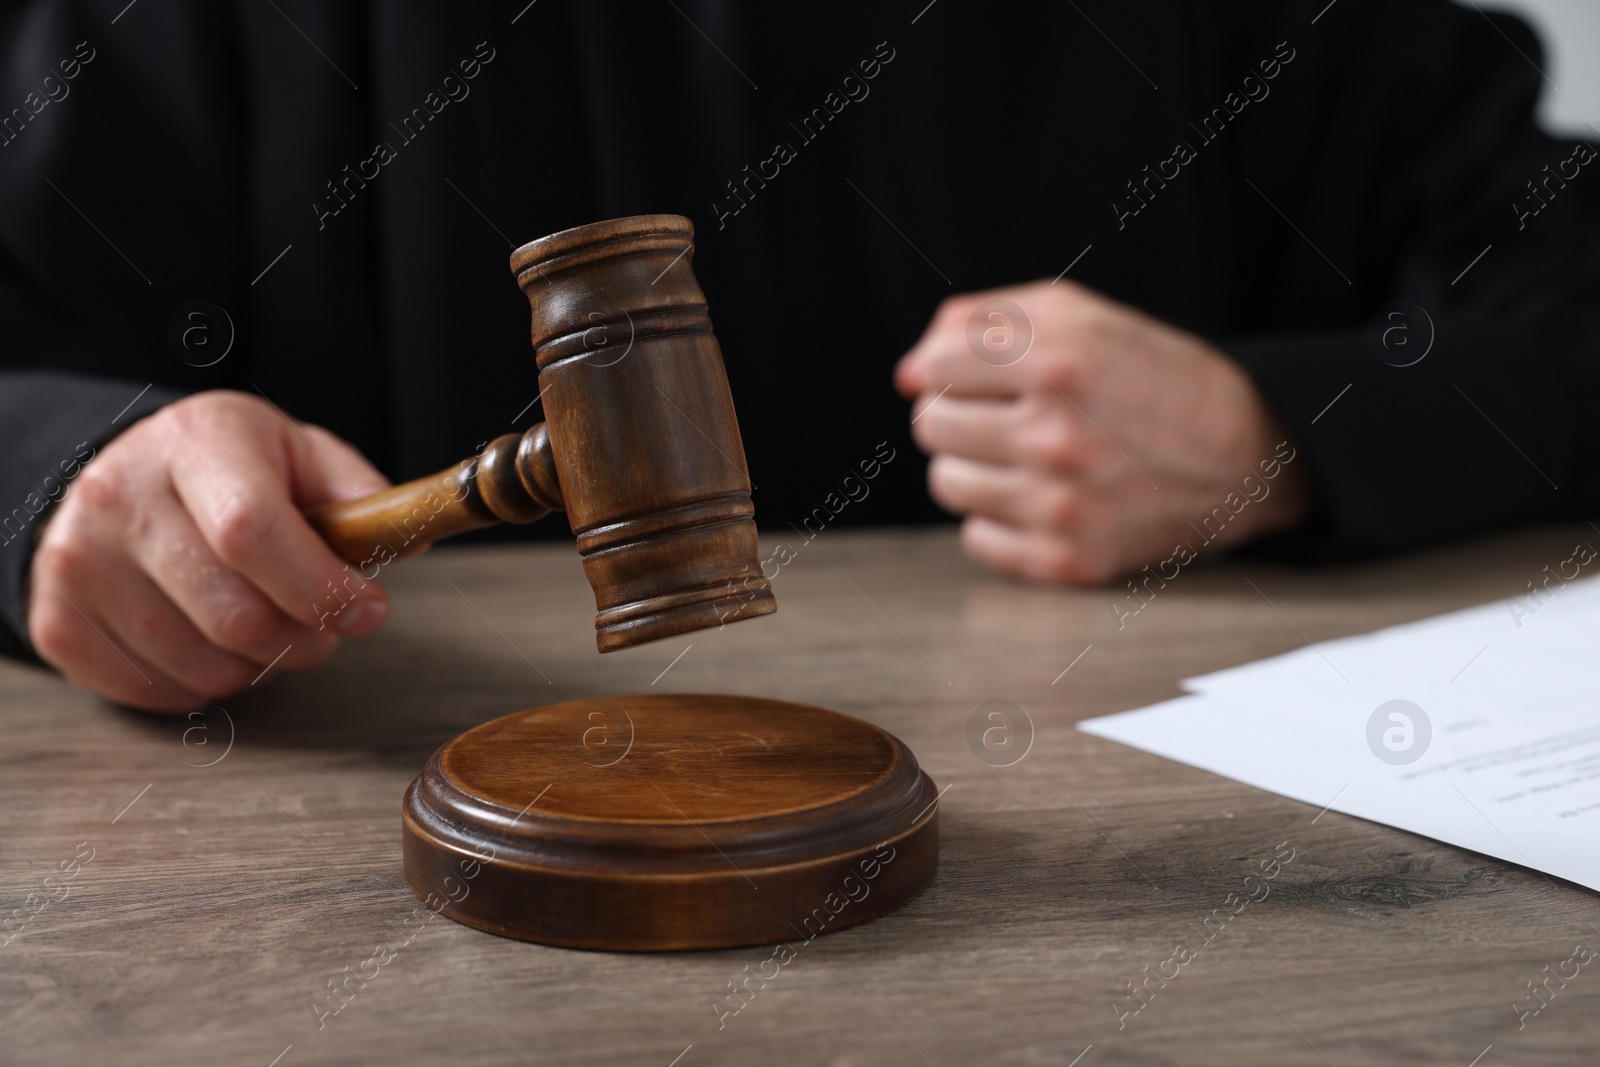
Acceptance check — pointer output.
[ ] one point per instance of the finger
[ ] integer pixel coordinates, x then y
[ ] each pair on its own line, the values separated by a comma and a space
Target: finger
970, 341
238, 495
1044, 433
231, 613
909, 381
343, 473
139, 618
1033, 554
80, 648
981, 430
355, 478
1016, 496
947, 361
954, 313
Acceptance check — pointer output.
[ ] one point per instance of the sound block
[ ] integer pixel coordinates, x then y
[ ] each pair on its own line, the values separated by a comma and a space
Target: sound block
667, 821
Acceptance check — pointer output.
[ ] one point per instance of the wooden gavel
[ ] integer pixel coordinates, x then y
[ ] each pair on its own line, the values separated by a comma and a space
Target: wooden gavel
640, 444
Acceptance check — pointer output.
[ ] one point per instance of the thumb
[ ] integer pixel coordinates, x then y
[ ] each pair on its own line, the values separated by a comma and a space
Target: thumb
330, 470
326, 469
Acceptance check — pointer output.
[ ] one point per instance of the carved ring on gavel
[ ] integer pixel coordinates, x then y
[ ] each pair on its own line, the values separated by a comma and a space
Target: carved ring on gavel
641, 449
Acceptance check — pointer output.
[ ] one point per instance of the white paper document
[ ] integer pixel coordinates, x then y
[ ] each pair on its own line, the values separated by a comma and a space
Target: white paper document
1480, 728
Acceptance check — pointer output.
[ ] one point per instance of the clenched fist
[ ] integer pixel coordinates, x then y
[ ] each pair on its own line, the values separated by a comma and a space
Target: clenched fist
177, 567
1084, 440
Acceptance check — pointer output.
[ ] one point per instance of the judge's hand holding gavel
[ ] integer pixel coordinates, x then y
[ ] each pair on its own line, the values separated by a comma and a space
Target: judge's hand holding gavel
1082, 439
178, 566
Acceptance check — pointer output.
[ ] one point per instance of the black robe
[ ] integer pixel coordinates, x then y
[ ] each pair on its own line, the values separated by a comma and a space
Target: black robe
345, 181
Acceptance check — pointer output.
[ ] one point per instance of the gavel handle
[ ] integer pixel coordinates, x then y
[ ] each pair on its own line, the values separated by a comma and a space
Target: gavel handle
513, 480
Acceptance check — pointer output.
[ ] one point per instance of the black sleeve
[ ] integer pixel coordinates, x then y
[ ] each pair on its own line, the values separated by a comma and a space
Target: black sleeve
50, 426
98, 243
1464, 408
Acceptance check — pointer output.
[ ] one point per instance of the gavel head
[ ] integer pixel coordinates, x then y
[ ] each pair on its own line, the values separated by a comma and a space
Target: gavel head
643, 446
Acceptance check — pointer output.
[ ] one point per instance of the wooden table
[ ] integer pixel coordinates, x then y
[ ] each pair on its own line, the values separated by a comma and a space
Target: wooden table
221, 899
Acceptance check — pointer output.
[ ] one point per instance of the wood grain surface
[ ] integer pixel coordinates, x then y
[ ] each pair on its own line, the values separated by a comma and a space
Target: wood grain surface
175, 912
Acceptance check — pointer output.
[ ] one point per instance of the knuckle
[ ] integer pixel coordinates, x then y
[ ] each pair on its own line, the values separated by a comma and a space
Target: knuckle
241, 525
1054, 443
925, 431
1060, 507
1065, 290
943, 485
59, 557
178, 415
243, 625
1073, 373
54, 636
99, 489
954, 309
207, 407
195, 419
177, 422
